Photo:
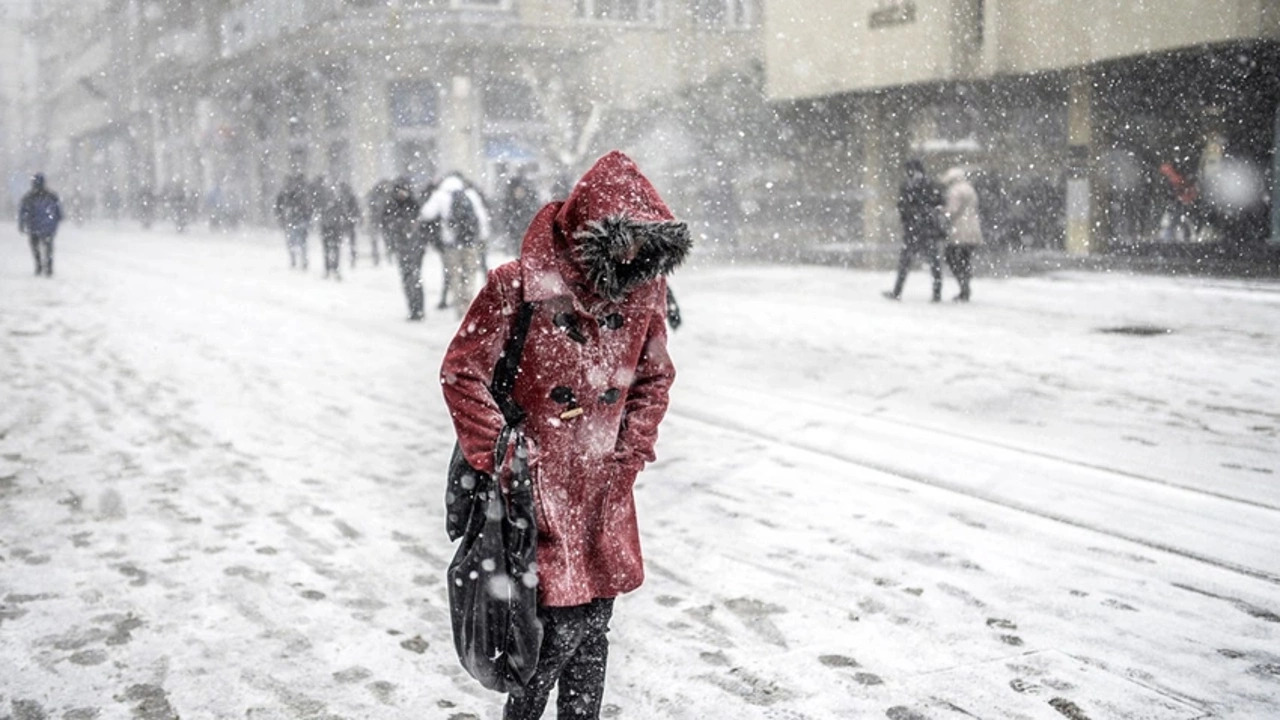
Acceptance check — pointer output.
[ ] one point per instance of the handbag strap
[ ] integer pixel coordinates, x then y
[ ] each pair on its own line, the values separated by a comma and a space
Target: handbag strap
508, 365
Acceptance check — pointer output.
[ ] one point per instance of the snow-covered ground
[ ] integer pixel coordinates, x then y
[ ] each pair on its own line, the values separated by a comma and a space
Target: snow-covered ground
221, 495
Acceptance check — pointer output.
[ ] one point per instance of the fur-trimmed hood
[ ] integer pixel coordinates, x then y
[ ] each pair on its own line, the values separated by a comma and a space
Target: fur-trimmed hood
611, 208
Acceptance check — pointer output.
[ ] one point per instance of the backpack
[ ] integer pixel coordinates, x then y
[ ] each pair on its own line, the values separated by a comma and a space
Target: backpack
463, 220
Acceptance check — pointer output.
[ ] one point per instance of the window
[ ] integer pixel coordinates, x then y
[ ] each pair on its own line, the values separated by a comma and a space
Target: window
508, 100
416, 160
734, 14
636, 11
413, 103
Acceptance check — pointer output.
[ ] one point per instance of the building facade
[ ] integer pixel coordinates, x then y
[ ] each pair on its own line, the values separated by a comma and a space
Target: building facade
1077, 119
17, 85
221, 100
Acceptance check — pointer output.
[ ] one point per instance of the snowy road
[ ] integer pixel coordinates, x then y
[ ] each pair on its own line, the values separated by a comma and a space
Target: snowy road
220, 496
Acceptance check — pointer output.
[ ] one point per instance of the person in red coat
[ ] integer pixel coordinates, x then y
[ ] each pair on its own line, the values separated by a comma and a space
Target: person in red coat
593, 382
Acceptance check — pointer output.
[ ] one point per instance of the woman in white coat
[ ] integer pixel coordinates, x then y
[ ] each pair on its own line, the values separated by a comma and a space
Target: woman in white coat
964, 231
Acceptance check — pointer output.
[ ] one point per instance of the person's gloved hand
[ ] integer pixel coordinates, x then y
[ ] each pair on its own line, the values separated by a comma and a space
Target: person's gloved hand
520, 455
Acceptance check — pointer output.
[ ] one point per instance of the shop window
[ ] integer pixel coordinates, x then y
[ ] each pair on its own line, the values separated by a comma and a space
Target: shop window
413, 103
632, 11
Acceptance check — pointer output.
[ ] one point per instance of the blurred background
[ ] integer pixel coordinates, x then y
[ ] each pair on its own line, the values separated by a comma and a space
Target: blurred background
777, 127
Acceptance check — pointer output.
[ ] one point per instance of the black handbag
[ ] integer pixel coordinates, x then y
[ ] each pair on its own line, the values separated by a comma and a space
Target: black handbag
492, 580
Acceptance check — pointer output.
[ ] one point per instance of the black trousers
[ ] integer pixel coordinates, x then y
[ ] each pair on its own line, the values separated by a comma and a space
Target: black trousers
960, 260
410, 257
331, 239
575, 650
908, 255
42, 250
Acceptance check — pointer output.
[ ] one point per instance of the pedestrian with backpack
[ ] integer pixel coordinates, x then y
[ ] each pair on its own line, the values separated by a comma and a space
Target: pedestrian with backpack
39, 216
464, 223
587, 299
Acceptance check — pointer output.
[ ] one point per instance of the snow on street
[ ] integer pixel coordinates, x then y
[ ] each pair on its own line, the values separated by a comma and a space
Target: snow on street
221, 489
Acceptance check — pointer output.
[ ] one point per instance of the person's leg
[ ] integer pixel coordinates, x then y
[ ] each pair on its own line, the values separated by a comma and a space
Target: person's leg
468, 264
904, 266
935, 271
326, 250
951, 257
582, 679
564, 631
293, 240
36, 250
48, 256
411, 277
964, 269
447, 259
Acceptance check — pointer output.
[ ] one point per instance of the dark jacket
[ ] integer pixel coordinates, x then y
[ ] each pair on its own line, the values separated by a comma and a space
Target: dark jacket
400, 211
339, 209
920, 203
294, 203
40, 212
595, 372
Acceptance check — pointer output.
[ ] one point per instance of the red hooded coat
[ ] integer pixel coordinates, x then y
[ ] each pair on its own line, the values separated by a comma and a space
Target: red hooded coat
593, 378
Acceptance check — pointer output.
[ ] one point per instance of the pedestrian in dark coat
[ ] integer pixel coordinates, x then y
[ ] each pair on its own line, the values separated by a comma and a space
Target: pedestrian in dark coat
39, 216
519, 203
920, 209
376, 199
293, 211
336, 221
349, 216
594, 380
400, 225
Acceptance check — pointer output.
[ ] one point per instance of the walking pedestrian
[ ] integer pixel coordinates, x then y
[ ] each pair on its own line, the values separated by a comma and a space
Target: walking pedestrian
39, 215
594, 382
920, 210
519, 202
464, 230
349, 217
376, 199
335, 213
964, 231
293, 211
399, 223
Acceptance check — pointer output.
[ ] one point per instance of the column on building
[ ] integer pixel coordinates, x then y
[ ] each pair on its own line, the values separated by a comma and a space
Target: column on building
1080, 215
372, 149
460, 125
883, 121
